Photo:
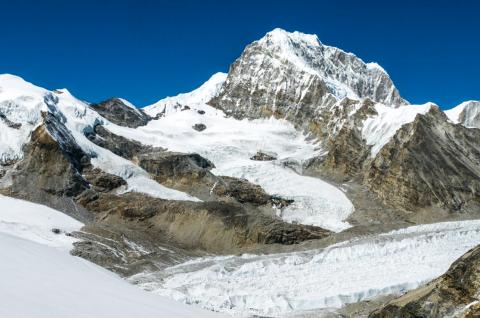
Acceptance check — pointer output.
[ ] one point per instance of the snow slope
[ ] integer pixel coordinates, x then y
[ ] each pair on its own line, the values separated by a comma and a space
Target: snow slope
379, 129
230, 143
467, 114
199, 96
35, 222
40, 279
291, 283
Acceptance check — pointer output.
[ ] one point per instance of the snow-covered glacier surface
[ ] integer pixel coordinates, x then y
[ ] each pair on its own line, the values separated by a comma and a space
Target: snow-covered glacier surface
230, 143
39, 278
291, 283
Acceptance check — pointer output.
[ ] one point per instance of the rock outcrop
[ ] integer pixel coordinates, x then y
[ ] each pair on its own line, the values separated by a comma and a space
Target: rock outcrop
429, 162
122, 113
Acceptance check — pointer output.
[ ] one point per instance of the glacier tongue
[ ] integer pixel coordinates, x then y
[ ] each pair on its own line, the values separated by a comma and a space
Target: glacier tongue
281, 284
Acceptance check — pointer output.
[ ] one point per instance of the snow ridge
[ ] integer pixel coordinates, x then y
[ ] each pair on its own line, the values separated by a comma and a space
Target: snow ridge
22, 103
379, 129
199, 96
467, 114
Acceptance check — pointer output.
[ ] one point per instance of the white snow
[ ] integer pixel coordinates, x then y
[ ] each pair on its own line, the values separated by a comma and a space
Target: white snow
229, 144
40, 279
379, 129
375, 66
20, 102
467, 114
199, 96
289, 283
35, 222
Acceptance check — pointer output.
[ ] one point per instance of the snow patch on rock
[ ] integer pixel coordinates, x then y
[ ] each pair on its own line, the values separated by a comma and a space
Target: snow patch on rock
377, 130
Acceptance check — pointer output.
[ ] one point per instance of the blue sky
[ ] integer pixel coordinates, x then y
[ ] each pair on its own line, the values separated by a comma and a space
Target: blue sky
145, 50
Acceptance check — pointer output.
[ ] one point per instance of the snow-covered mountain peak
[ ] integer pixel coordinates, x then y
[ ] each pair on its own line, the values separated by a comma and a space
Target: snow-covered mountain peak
467, 114
199, 96
309, 54
290, 74
13, 87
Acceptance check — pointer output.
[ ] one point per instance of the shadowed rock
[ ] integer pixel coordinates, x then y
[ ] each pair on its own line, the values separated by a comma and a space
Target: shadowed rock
263, 156
199, 127
116, 111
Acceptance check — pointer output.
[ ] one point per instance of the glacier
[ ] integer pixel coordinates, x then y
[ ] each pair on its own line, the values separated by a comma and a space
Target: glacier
284, 284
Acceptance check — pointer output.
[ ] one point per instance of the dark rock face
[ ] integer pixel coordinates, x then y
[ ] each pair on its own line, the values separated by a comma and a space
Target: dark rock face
62, 176
170, 165
116, 111
454, 294
102, 181
243, 191
199, 127
51, 171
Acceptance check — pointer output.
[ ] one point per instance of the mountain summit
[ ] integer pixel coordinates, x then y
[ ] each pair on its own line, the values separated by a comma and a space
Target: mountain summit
289, 71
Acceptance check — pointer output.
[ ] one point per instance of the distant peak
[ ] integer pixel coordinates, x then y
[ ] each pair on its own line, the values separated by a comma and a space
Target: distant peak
201, 95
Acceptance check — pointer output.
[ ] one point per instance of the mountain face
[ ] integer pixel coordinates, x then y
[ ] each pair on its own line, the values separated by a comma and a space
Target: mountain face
301, 146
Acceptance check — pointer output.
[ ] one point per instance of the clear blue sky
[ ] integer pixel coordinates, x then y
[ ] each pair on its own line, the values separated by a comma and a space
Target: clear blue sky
145, 50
